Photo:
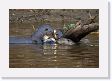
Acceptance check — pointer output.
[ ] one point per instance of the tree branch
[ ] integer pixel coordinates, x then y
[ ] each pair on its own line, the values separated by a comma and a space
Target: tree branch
79, 32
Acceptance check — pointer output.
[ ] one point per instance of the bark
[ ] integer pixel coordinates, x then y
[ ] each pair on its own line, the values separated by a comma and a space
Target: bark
79, 32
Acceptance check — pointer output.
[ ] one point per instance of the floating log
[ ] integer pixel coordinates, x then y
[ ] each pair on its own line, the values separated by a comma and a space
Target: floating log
79, 32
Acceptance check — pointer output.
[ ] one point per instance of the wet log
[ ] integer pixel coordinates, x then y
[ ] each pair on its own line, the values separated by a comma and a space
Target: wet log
79, 32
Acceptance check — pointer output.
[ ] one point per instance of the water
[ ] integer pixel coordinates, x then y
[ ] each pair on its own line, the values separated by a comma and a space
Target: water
82, 55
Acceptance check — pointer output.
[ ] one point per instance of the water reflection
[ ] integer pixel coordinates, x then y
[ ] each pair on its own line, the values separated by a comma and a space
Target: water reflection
53, 49
54, 56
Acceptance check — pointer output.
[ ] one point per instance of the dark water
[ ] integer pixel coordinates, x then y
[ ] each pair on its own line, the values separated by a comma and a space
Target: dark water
83, 55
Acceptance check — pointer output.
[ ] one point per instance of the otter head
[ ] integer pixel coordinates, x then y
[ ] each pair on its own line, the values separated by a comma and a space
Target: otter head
37, 36
57, 34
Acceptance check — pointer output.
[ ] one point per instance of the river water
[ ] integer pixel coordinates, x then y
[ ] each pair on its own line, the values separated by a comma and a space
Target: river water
82, 55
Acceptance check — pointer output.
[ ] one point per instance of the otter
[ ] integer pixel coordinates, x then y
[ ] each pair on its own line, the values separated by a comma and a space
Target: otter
43, 34
46, 34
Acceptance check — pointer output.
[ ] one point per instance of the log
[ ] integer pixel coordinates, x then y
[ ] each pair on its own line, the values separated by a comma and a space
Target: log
79, 32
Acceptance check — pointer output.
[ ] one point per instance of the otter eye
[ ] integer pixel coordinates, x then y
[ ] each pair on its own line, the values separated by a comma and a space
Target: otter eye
68, 40
46, 29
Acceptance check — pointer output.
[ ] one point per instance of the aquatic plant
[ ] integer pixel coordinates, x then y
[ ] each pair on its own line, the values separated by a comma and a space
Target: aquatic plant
68, 26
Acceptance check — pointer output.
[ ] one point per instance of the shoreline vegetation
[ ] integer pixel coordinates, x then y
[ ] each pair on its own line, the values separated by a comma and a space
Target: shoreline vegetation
51, 15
